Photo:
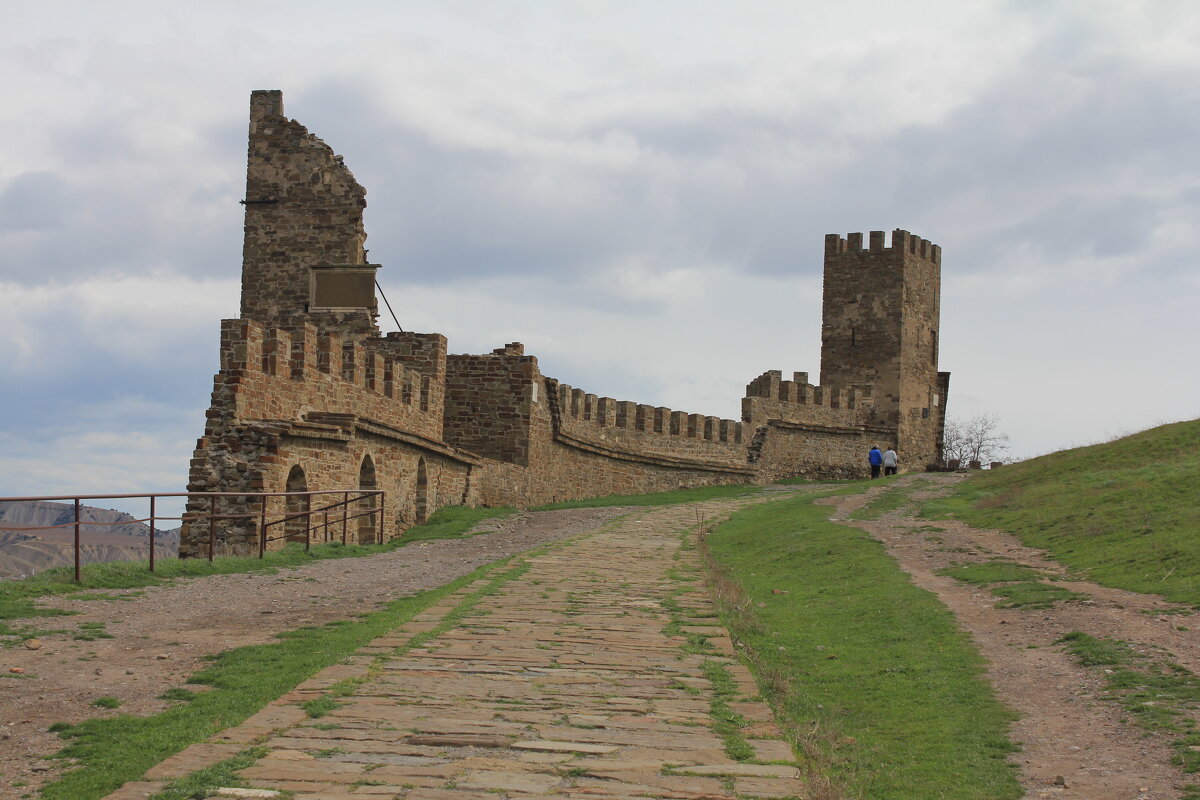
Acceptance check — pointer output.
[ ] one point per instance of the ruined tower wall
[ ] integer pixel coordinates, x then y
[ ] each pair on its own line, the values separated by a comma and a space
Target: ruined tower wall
304, 212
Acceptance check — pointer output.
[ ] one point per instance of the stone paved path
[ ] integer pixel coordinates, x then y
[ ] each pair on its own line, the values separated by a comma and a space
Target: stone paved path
559, 682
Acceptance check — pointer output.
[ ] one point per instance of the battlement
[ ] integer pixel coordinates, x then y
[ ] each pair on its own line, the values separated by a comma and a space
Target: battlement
278, 373
769, 397
584, 414
902, 242
771, 385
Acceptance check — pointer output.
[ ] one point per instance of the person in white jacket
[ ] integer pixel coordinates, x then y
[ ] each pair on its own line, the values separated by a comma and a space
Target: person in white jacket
890, 462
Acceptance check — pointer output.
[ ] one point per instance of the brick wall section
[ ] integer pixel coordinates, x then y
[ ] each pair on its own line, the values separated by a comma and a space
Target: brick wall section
488, 401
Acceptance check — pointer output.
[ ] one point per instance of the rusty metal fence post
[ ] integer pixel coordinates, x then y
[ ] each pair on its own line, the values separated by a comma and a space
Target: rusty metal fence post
78, 561
152, 533
345, 514
212, 528
262, 525
382, 496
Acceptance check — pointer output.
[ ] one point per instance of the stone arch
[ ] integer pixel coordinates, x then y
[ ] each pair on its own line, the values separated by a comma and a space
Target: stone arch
296, 530
368, 525
421, 499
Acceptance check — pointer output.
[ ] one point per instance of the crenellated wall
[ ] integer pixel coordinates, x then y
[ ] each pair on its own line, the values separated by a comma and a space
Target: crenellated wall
311, 396
276, 374
647, 430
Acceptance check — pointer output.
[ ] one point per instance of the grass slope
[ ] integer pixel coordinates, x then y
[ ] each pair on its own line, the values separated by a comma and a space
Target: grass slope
1124, 513
855, 651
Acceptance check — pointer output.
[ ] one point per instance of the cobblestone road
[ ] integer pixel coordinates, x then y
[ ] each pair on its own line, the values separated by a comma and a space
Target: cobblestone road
578, 678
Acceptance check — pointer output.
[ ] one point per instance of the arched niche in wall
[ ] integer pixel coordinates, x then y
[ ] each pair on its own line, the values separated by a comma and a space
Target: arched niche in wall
296, 530
421, 499
368, 524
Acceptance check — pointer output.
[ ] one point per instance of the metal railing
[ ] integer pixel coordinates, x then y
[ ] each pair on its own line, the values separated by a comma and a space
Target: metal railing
321, 530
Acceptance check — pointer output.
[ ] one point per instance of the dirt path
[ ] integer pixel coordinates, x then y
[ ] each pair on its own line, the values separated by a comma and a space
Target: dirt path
561, 682
1066, 728
160, 634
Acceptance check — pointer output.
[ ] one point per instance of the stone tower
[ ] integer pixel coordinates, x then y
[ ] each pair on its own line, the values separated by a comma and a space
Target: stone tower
303, 258
880, 325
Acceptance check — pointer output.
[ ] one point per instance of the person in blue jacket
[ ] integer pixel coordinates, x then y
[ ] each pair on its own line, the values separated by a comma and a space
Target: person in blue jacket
875, 458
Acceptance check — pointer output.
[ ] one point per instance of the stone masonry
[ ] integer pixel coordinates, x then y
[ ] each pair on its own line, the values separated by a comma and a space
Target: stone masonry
312, 396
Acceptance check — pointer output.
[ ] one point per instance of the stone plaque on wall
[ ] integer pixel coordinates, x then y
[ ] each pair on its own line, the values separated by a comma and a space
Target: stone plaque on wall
343, 287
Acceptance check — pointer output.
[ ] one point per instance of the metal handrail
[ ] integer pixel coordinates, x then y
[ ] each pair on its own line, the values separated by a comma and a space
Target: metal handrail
348, 496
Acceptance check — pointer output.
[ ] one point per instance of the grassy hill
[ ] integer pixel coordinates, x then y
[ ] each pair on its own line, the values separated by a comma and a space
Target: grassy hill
1125, 513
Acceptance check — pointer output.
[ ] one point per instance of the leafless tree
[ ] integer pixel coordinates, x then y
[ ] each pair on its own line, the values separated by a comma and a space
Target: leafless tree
976, 439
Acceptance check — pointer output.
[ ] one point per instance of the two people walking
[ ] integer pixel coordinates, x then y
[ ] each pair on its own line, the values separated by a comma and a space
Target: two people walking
886, 461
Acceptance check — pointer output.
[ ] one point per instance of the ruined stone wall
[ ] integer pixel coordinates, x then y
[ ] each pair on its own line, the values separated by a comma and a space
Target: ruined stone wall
303, 212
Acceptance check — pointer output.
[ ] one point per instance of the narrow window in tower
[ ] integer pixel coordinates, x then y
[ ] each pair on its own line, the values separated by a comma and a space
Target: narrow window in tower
854, 337
933, 347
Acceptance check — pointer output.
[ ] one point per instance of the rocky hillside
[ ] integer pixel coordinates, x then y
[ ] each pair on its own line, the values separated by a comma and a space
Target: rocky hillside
106, 535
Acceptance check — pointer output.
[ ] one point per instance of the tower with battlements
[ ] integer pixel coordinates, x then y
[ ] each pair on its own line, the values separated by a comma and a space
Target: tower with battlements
879, 327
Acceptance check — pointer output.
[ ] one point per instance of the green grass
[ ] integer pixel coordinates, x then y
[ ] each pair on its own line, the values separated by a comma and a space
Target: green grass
1021, 586
114, 750
655, 499
16, 597
994, 571
726, 723
855, 651
1033, 595
201, 782
1123, 513
1158, 694
891, 499
451, 522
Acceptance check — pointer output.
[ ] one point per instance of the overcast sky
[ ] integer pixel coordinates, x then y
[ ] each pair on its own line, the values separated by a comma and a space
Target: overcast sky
638, 191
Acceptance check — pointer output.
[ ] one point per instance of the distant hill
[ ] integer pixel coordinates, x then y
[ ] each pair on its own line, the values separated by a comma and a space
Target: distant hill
1124, 513
26, 552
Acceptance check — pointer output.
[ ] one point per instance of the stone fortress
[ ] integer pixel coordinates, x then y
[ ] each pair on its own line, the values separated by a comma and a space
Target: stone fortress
311, 396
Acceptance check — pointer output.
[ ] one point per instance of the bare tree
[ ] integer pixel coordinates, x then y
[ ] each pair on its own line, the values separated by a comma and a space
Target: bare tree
976, 439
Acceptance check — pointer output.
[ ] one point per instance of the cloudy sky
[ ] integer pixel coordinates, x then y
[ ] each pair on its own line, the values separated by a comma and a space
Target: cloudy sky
638, 191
